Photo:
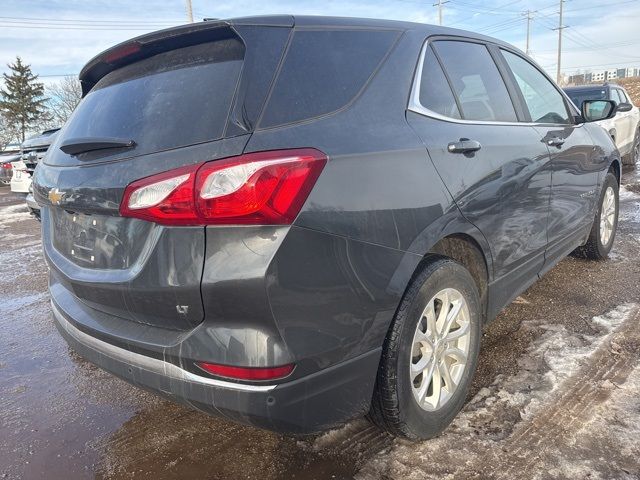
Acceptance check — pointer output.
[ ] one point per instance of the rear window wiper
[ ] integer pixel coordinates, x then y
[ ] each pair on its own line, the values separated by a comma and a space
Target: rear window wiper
75, 146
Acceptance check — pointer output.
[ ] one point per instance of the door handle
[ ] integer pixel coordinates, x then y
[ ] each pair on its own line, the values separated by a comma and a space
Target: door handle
555, 142
464, 146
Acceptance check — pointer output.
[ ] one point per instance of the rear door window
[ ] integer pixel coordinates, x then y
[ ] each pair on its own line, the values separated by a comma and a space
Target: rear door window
323, 71
435, 92
544, 101
173, 99
476, 81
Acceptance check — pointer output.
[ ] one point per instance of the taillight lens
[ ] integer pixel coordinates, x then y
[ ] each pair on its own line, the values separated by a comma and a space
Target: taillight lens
7, 166
256, 188
247, 373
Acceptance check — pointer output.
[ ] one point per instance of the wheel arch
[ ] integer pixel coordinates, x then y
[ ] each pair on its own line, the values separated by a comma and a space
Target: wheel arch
456, 238
616, 169
464, 249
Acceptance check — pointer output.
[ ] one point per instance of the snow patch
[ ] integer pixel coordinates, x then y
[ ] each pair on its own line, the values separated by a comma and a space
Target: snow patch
15, 262
14, 213
631, 201
15, 236
11, 304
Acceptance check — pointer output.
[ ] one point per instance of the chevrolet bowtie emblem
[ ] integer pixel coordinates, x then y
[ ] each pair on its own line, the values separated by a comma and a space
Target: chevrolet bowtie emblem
55, 196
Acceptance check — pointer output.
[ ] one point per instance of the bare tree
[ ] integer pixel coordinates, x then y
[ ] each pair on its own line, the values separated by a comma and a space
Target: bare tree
64, 97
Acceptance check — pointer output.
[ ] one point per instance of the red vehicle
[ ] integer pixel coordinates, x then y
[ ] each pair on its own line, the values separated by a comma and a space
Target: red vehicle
11, 153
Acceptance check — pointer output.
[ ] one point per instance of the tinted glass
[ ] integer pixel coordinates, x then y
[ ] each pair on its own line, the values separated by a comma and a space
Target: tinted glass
435, 93
476, 81
173, 99
323, 71
579, 96
544, 101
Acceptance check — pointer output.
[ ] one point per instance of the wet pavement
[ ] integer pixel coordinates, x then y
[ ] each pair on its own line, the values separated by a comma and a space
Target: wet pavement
557, 393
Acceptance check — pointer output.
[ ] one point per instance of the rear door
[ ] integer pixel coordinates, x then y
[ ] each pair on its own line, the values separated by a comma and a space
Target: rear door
574, 164
184, 99
502, 183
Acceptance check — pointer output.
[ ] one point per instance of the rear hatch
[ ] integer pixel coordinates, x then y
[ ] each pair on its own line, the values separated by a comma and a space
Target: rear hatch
172, 98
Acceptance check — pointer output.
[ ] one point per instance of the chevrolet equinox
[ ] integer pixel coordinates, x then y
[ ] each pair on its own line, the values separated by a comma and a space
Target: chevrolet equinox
294, 221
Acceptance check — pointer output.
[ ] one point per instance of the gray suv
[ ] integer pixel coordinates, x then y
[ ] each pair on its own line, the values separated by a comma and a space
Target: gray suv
294, 221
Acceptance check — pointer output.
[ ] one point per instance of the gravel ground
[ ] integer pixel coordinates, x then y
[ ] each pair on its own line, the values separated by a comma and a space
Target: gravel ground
557, 393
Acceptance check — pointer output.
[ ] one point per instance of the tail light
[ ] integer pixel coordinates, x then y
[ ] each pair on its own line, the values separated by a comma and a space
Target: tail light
256, 188
247, 373
6, 165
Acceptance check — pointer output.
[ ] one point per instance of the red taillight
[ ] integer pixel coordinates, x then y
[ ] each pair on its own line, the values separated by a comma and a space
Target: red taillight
247, 373
264, 188
6, 165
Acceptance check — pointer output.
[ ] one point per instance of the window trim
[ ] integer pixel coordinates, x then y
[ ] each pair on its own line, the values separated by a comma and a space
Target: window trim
446, 78
414, 97
622, 95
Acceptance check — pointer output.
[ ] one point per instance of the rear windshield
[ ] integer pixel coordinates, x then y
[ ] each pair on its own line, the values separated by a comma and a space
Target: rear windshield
173, 99
580, 96
323, 71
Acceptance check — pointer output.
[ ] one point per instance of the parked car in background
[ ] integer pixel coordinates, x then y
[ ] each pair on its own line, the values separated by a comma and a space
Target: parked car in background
6, 170
10, 153
624, 128
327, 234
32, 151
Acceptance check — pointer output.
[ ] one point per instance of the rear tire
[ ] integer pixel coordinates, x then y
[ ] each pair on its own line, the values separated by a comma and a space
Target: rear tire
634, 156
421, 405
605, 223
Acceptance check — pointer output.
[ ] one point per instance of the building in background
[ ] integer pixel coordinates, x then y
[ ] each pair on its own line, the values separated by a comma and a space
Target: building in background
628, 72
601, 76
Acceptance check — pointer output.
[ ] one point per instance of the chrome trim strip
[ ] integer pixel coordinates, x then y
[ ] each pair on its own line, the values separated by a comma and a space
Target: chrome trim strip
148, 363
417, 107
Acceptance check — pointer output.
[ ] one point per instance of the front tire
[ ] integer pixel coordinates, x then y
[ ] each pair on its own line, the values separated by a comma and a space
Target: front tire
430, 353
605, 223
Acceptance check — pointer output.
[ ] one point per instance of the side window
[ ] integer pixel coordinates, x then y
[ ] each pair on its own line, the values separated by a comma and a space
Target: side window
323, 71
621, 94
476, 81
544, 101
435, 93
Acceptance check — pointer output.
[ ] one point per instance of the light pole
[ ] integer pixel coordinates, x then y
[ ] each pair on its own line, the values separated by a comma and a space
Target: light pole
189, 11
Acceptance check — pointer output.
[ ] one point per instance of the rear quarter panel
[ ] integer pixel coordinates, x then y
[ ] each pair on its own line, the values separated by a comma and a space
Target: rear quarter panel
377, 208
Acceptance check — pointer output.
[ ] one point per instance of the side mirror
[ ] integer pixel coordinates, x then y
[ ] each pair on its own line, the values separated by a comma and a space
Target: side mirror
624, 107
595, 110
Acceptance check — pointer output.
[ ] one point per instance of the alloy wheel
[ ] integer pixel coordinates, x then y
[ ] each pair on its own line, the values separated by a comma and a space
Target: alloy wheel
440, 349
607, 216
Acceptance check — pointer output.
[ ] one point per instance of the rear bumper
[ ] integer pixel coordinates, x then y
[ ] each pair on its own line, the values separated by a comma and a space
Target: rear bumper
309, 404
21, 184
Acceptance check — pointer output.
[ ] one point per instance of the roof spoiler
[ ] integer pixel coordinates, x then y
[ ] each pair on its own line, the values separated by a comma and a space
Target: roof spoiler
149, 45
165, 40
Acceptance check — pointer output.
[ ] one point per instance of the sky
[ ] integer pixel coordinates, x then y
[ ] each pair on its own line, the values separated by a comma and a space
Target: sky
57, 37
